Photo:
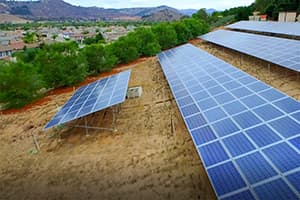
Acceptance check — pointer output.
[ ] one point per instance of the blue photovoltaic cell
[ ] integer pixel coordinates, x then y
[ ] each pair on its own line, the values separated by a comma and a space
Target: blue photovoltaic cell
294, 179
271, 95
234, 107
296, 142
246, 119
268, 112
213, 153
282, 28
225, 127
253, 101
215, 114
255, 167
283, 156
280, 51
246, 195
226, 178
203, 135
263, 135
277, 189
233, 114
195, 121
238, 144
288, 105
286, 127
92, 98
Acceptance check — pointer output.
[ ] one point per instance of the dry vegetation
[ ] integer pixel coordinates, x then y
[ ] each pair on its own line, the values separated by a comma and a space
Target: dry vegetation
147, 158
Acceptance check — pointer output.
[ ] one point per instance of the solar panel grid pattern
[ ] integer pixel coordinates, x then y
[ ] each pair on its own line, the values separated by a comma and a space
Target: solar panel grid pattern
245, 155
92, 98
285, 28
283, 52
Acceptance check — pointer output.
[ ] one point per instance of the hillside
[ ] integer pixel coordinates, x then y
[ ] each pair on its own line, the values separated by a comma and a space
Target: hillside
60, 10
6, 18
163, 15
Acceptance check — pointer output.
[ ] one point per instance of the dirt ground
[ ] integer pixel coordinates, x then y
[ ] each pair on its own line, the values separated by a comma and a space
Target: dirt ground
151, 156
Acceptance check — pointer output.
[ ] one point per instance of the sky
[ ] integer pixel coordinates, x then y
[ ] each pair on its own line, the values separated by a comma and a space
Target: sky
179, 4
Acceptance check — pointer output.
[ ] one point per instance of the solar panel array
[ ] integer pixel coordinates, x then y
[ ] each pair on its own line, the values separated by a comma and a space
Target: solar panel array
283, 52
93, 97
246, 132
285, 28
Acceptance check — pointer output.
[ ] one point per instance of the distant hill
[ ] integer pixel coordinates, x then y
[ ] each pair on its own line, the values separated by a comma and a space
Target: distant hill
6, 18
188, 12
163, 15
60, 10
210, 11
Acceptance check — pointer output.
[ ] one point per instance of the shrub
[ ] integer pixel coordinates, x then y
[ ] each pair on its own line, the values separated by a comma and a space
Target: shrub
165, 34
19, 84
197, 27
61, 64
148, 44
125, 49
99, 59
183, 32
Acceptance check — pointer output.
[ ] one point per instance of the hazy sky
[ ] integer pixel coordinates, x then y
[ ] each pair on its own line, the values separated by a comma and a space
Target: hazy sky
180, 4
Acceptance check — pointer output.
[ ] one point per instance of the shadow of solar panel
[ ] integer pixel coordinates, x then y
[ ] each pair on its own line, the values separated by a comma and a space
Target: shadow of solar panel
238, 124
92, 98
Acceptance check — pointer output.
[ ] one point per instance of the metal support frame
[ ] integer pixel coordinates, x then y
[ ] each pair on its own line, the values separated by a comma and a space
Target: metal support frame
115, 109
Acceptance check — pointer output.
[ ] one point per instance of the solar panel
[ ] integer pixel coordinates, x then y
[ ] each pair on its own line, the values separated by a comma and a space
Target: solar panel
247, 133
93, 97
283, 52
285, 28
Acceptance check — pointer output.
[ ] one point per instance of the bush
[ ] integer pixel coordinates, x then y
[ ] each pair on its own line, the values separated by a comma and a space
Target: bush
19, 84
28, 55
165, 34
99, 59
196, 26
125, 49
183, 32
148, 44
61, 64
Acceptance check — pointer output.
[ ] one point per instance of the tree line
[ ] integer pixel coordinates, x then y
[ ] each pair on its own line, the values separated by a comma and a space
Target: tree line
65, 64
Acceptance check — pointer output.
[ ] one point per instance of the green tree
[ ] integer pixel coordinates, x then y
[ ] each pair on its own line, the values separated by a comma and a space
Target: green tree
29, 38
202, 15
196, 27
148, 44
61, 64
165, 34
28, 55
19, 84
99, 59
261, 5
125, 48
183, 32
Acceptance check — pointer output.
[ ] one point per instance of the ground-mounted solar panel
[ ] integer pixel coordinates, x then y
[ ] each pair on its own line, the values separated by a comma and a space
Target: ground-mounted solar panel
283, 52
93, 97
247, 133
283, 28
